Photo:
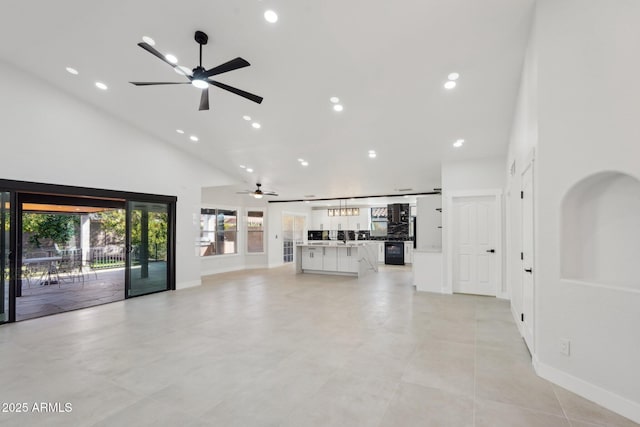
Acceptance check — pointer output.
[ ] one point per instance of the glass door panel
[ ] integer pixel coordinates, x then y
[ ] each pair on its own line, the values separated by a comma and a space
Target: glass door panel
287, 238
148, 247
6, 267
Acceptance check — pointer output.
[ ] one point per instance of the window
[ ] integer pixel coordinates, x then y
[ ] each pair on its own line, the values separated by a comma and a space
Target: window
255, 232
378, 222
218, 232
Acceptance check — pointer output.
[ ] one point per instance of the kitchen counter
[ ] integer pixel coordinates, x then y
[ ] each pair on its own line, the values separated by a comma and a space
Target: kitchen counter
352, 258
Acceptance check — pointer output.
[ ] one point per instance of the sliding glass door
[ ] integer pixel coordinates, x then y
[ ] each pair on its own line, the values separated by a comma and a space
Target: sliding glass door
149, 247
79, 239
6, 264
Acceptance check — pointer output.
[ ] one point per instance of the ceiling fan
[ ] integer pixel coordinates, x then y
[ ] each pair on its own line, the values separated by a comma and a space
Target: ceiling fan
258, 193
199, 76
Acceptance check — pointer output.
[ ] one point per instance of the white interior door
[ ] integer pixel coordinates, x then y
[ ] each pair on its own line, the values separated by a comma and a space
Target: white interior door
528, 277
474, 245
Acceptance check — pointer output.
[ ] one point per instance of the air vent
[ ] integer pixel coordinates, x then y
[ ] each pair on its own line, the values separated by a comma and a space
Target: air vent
405, 189
309, 196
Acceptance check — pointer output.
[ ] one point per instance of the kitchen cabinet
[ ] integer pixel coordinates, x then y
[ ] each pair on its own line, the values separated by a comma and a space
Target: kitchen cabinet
347, 259
350, 260
380, 252
311, 258
408, 252
319, 258
319, 220
330, 258
427, 271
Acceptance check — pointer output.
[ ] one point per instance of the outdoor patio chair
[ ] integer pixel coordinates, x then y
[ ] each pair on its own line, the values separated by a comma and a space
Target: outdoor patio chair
35, 270
70, 266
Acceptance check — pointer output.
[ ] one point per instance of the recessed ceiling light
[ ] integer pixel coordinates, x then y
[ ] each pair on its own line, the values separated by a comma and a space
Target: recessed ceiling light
182, 70
169, 57
453, 76
306, 201
334, 99
180, 131
372, 155
450, 84
256, 125
372, 151
200, 84
304, 163
243, 166
101, 85
247, 118
194, 138
301, 160
148, 40
249, 170
458, 143
271, 16
72, 71
338, 107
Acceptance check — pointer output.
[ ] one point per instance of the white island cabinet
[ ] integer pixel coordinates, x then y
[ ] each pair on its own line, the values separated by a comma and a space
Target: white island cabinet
352, 259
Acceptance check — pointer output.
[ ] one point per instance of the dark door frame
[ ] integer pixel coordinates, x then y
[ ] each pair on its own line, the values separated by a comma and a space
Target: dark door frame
26, 191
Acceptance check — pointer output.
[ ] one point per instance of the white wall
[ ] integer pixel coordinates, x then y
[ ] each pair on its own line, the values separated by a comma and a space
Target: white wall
523, 143
480, 174
50, 137
587, 123
469, 175
225, 198
276, 211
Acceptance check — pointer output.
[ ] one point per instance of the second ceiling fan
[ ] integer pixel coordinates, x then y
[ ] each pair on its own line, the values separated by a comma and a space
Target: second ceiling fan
258, 193
199, 76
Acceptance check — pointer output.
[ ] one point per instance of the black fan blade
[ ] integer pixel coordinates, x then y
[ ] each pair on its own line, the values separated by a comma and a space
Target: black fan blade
204, 99
242, 93
234, 64
154, 52
159, 83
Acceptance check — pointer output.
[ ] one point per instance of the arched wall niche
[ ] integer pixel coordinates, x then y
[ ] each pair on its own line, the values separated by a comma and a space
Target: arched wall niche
600, 240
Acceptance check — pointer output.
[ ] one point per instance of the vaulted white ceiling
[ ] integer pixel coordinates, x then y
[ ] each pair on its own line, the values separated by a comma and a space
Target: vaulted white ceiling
386, 61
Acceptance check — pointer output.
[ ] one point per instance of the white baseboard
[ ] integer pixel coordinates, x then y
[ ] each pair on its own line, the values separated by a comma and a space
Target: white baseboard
503, 295
516, 319
190, 284
229, 269
599, 395
219, 270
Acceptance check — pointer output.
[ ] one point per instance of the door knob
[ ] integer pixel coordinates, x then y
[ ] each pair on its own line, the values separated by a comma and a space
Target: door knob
492, 251
528, 270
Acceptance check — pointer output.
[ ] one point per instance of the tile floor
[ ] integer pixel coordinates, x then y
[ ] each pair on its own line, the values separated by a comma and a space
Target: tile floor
271, 348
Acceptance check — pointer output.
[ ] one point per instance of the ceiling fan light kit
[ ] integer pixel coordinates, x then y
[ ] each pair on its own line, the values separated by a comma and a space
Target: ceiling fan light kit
200, 76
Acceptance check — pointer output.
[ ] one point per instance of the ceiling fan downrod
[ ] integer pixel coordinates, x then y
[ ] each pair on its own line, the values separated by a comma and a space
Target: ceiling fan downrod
202, 39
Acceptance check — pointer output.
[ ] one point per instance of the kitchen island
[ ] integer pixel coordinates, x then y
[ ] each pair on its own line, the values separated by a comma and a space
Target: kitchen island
351, 259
